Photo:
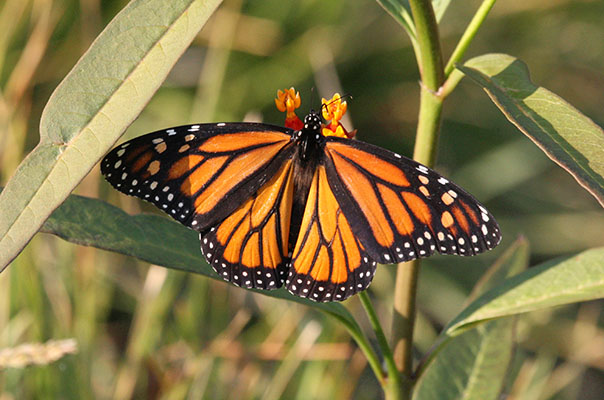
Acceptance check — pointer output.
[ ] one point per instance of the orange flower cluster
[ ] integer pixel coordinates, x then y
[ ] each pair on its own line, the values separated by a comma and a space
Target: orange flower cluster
333, 110
287, 101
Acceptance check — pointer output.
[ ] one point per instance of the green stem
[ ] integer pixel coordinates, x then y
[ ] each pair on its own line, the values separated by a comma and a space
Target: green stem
432, 78
428, 126
468, 35
365, 346
430, 57
393, 383
404, 315
451, 83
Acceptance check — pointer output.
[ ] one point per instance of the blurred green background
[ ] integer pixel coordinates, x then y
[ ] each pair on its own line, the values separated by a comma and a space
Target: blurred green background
146, 332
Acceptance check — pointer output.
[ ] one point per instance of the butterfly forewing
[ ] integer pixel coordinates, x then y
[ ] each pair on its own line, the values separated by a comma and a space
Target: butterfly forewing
199, 174
328, 262
401, 210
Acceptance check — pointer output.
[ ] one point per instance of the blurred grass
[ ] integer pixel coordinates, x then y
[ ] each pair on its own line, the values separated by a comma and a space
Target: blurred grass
146, 332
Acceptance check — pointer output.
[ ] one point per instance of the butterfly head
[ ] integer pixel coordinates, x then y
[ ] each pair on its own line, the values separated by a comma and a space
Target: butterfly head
312, 122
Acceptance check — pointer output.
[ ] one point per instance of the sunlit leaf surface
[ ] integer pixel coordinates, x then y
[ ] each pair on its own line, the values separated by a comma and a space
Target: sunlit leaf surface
553, 283
567, 136
93, 105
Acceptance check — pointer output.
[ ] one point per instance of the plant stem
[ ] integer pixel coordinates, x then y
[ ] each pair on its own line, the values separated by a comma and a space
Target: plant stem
408, 273
432, 78
365, 346
430, 57
468, 35
392, 386
428, 126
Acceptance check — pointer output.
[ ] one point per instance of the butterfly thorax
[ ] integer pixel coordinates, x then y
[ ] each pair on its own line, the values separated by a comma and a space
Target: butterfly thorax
310, 143
309, 138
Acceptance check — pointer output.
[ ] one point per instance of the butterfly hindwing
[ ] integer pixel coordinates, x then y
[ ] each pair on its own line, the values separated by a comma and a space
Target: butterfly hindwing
328, 262
249, 248
401, 210
199, 174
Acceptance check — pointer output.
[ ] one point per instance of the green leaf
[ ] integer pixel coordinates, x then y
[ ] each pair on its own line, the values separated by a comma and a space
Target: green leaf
153, 238
94, 104
568, 137
440, 6
512, 262
554, 283
401, 12
473, 365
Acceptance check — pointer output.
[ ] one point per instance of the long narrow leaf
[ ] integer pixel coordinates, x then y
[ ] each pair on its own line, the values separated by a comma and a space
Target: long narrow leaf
401, 12
554, 283
93, 105
151, 238
567, 136
473, 365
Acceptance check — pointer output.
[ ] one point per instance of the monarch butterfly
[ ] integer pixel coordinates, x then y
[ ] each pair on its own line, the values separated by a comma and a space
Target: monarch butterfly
302, 205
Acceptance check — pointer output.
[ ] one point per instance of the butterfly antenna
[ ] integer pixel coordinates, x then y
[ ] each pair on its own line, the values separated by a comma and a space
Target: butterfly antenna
348, 95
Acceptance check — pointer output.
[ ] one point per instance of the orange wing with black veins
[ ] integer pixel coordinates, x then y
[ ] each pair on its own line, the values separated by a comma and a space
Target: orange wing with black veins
249, 248
401, 210
328, 262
